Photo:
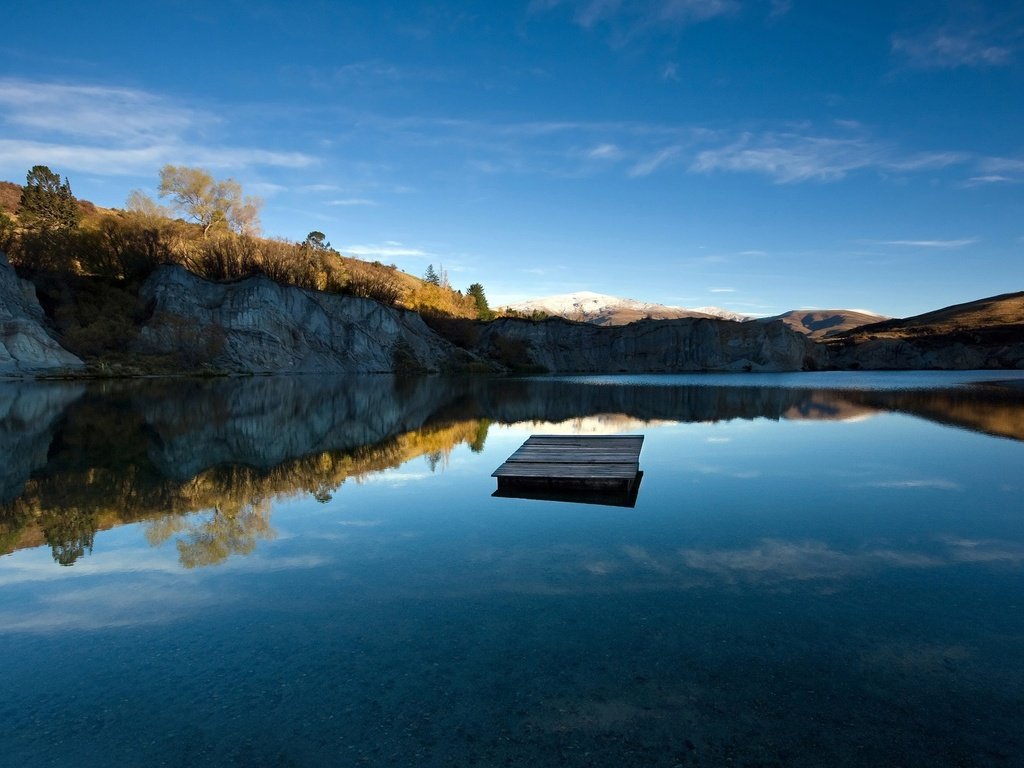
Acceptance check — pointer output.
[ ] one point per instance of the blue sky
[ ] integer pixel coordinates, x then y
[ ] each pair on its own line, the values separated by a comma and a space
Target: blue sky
759, 155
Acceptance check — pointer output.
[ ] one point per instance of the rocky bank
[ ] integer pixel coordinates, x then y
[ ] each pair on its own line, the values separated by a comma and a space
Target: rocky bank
26, 348
650, 346
258, 326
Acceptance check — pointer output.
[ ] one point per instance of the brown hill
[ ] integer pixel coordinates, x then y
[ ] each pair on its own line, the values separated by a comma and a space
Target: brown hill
819, 323
997, 319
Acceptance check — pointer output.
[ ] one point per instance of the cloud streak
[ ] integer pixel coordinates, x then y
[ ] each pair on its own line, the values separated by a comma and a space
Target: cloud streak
632, 16
109, 130
390, 249
790, 157
948, 48
946, 244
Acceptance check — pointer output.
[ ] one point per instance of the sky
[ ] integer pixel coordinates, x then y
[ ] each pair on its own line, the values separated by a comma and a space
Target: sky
757, 155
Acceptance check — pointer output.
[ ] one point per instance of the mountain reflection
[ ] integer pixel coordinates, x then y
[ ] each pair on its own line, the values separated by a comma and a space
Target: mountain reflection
203, 461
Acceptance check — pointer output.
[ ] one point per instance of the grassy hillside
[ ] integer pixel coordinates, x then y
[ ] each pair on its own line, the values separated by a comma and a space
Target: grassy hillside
995, 320
87, 276
819, 323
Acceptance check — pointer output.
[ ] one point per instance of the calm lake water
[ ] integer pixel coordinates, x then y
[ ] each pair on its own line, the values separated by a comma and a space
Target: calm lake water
820, 570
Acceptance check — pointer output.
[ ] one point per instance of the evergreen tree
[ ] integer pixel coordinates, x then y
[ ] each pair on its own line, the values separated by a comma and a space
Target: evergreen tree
430, 276
316, 241
46, 203
483, 311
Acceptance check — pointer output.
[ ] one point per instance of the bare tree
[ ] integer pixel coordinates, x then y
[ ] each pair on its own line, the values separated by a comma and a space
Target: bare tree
210, 203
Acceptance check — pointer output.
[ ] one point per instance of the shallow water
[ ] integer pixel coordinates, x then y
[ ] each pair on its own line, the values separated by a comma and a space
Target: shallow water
825, 569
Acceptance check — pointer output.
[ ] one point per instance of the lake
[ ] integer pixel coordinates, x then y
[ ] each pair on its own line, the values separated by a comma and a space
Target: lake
819, 569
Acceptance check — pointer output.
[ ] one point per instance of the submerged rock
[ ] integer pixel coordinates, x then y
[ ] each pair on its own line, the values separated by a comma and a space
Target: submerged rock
26, 348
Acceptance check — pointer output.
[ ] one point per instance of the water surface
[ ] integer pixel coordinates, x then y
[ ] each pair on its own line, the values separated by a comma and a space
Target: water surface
823, 569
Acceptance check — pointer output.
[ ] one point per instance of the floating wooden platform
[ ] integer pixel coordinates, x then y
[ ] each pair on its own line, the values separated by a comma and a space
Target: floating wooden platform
587, 469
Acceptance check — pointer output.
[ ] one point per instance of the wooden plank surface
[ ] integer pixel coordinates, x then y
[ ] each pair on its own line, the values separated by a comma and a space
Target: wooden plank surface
575, 457
578, 471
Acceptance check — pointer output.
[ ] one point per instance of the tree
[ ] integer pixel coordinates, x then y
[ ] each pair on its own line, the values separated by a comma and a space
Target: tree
46, 203
7, 231
476, 292
198, 196
144, 206
316, 241
430, 276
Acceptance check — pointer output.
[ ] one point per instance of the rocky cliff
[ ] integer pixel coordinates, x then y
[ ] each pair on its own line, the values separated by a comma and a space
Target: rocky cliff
25, 345
655, 346
258, 326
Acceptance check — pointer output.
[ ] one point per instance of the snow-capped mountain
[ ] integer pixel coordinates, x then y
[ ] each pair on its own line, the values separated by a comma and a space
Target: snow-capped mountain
602, 309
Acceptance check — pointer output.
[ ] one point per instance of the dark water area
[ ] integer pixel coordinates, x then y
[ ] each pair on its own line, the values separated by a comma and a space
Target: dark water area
820, 569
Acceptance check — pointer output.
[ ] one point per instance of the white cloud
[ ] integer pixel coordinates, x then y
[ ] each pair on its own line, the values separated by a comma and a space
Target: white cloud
389, 249
960, 243
351, 201
977, 181
605, 152
628, 18
138, 160
108, 130
949, 49
792, 157
97, 112
723, 290
649, 165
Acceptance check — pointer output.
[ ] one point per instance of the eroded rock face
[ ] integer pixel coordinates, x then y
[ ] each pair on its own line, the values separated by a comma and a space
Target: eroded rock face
25, 346
657, 346
257, 326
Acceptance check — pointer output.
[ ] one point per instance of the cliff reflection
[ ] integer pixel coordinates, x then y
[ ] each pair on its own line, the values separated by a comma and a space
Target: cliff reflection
203, 461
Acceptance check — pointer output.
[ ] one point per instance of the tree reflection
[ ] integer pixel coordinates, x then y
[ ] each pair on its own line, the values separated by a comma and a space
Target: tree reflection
69, 532
203, 462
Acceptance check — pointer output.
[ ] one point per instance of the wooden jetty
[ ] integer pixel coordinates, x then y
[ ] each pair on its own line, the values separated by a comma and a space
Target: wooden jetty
589, 469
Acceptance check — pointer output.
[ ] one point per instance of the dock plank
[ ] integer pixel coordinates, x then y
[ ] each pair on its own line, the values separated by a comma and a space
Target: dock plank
582, 462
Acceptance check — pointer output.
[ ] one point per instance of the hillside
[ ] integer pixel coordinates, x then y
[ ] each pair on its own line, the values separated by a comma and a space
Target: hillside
987, 333
819, 323
991, 319
602, 309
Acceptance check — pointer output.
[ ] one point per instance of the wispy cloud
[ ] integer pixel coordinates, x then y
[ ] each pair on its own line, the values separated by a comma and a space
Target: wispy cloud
958, 243
110, 130
791, 157
629, 18
649, 165
605, 152
96, 112
948, 48
723, 290
351, 201
389, 250
977, 181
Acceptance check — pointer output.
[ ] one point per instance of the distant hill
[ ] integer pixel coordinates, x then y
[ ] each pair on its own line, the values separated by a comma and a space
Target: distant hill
602, 309
993, 320
819, 323
987, 333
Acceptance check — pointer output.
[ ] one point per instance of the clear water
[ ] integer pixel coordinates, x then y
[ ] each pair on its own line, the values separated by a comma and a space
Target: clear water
819, 570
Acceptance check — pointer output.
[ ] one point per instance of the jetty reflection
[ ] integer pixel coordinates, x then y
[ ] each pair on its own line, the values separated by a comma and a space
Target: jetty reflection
202, 461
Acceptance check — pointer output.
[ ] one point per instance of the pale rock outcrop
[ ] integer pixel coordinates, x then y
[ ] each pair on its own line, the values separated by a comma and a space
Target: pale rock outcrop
25, 346
654, 346
258, 326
